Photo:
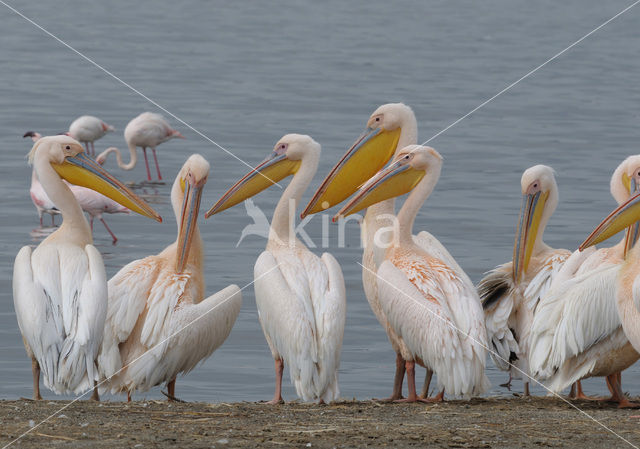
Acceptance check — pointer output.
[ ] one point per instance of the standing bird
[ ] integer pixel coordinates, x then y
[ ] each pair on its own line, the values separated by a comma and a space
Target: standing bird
60, 288
148, 130
39, 197
436, 312
301, 297
511, 291
159, 324
87, 129
389, 129
92, 202
576, 331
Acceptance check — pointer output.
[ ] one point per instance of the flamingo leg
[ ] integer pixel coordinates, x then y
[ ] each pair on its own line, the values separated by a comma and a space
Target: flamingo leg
41, 220
146, 162
53, 221
86, 145
277, 396
427, 382
91, 223
155, 158
93, 150
507, 384
35, 369
410, 367
113, 236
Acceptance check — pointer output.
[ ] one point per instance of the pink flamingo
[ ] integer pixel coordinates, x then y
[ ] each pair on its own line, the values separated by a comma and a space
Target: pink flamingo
148, 130
87, 129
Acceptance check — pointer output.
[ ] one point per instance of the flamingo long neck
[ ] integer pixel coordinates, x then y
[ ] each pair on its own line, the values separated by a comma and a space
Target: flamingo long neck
412, 205
282, 224
381, 215
73, 220
132, 161
196, 251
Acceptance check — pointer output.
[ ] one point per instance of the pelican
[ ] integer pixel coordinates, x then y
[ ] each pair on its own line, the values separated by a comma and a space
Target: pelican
159, 324
148, 130
92, 202
576, 332
436, 313
87, 129
300, 297
511, 291
60, 288
390, 128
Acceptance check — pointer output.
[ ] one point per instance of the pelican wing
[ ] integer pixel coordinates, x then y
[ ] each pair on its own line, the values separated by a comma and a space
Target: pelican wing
540, 283
433, 247
285, 310
573, 316
440, 320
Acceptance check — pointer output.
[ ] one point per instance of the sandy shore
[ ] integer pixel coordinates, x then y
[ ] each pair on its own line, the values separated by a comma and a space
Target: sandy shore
512, 422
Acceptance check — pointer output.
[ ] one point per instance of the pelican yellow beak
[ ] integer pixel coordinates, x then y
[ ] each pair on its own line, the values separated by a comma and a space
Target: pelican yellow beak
275, 168
365, 158
395, 180
624, 216
527, 233
83, 171
188, 218
632, 232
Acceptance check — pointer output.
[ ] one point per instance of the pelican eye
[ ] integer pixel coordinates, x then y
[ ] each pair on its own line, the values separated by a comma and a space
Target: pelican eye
67, 147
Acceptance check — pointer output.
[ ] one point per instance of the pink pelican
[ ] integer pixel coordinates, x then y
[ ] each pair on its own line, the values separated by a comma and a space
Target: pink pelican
148, 130
159, 323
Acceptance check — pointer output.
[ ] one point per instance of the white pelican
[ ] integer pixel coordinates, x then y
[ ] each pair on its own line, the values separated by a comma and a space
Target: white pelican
390, 128
92, 202
436, 313
511, 291
300, 296
148, 130
60, 289
159, 324
576, 332
87, 129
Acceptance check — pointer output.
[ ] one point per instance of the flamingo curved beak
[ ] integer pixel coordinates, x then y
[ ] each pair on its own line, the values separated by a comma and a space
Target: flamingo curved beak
272, 170
84, 171
395, 180
374, 148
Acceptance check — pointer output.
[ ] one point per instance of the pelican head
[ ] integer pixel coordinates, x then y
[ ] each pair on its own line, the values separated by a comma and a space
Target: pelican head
410, 165
190, 180
625, 186
539, 201
66, 156
284, 160
370, 152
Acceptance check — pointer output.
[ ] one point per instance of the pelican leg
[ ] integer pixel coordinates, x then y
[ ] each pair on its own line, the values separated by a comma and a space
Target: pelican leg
113, 236
128, 396
171, 388
397, 380
410, 367
614, 382
277, 396
35, 369
427, 382
155, 158
580, 394
146, 163
95, 396
526, 389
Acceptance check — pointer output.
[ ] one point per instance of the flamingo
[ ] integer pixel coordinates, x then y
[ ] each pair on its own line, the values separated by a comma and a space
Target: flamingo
148, 130
576, 331
300, 297
159, 323
436, 312
60, 288
390, 128
511, 291
92, 202
87, 129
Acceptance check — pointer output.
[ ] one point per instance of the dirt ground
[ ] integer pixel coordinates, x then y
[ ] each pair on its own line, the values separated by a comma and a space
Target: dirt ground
499, 422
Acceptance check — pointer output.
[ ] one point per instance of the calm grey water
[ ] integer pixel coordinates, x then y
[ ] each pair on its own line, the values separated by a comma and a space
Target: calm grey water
245, 73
